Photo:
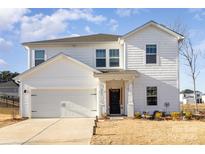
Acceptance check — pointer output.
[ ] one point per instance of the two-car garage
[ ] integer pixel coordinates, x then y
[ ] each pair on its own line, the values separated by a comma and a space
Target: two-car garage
59, 87
63, 103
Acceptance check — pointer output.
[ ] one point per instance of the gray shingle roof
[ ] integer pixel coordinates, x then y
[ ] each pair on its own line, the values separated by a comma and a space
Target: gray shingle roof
8, 84
79, 39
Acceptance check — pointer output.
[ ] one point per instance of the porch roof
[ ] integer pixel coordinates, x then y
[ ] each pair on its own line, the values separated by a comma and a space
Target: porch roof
117, 74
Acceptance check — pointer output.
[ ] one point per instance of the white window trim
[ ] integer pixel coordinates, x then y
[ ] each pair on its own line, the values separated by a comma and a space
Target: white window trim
114, 58
157, 55
33, 55
152, 106
100, 58
108, 58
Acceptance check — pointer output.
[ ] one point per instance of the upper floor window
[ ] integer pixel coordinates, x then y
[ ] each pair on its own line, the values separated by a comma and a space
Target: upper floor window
151, 54
114, 57
39, 57
151, 95
100, 58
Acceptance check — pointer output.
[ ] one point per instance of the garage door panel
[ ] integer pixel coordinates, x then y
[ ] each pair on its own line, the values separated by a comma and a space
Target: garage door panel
64, 103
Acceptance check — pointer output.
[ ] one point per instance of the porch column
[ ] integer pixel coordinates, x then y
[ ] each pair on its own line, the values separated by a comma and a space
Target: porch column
130, 105
101, 92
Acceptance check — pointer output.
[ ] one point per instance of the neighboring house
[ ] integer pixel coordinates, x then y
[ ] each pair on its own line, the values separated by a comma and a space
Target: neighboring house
203, 98
102, 74
187, 96
9, 88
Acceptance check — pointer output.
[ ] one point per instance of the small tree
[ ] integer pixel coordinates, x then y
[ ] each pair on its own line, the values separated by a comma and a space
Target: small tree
189, 54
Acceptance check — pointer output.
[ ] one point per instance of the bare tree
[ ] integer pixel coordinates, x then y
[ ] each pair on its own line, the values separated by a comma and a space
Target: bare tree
189, 54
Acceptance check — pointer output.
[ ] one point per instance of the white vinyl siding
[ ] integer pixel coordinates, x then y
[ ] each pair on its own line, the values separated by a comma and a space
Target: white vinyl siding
61, 74
85, 53
164, 74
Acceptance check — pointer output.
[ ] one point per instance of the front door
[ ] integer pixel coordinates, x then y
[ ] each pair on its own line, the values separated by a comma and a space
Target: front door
114, 101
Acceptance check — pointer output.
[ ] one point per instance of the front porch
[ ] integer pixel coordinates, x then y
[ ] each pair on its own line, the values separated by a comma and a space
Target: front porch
115, 93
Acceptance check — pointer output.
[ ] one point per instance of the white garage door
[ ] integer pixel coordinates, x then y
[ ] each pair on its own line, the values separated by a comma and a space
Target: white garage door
63, 103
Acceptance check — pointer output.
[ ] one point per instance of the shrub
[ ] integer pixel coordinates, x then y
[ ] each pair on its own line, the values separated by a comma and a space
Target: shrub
188, 115
158, 115
138, 115
175, 115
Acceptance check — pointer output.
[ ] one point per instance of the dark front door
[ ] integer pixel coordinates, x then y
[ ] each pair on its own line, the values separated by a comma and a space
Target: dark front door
114, 101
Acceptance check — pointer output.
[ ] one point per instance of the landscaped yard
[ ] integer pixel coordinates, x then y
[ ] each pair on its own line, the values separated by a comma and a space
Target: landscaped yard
133, 131
139, 131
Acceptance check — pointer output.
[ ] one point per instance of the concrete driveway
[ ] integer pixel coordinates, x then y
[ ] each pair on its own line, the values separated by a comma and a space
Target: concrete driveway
48, 131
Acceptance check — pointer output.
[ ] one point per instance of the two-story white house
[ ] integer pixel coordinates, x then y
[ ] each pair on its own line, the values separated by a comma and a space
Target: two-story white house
102, 74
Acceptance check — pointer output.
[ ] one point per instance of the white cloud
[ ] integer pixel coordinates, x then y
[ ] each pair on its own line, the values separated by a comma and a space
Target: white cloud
113, 24
129, 12
42, 26
8, 17
88, 30
76, 14
2, 63
5, 45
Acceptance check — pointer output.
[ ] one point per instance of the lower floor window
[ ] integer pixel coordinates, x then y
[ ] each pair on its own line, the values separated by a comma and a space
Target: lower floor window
151, 95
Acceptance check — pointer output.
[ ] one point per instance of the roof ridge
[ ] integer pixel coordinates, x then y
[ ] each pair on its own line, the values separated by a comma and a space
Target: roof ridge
73, 37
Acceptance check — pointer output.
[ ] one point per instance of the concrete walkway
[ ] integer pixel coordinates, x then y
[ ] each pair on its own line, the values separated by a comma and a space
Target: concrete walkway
48, 131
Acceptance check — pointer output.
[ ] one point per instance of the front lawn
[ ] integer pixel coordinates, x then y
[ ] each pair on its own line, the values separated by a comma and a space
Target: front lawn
137, 131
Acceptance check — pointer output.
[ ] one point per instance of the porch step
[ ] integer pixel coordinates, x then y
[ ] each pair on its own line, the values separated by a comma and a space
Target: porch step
116, 118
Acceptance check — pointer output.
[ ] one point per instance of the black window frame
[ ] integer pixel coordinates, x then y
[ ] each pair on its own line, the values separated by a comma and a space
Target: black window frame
102, 58
39, 60
114, 58
152, 98
151, 55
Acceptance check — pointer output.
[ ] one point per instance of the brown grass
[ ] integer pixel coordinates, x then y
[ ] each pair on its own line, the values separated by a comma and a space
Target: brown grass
8, 115
191, 107
133, 131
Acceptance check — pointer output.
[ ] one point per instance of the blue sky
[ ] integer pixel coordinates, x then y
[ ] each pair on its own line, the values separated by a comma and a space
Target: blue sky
19, 25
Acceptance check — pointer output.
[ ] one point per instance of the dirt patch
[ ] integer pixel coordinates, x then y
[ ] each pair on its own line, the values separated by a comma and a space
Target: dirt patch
8, 113
145, 132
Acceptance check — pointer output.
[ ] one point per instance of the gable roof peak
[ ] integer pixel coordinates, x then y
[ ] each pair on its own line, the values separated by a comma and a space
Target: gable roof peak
160, 26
